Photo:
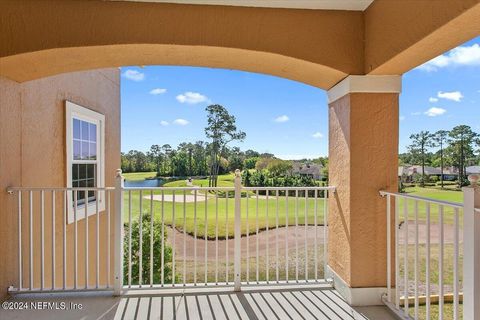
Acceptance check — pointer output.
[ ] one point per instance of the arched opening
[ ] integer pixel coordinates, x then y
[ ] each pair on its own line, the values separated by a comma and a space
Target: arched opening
62, 60
282, 160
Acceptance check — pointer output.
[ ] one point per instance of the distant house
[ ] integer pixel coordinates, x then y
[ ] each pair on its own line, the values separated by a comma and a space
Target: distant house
406, 173
308, 169
429, 171
450, 173
473, 170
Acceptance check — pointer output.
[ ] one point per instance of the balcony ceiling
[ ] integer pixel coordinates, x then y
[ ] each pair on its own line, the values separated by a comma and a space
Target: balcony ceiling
353, 5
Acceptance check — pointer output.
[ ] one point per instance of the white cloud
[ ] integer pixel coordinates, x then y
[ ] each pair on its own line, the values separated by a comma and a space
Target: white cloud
454, 95
191, 97
283, 118
317, 135
180, 122
459, 56
164, 123
432, 99
134, 75
402, 118
434, 111
158, 91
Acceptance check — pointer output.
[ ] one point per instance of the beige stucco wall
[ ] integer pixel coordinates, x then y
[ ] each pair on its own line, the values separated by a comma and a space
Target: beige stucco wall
363, 135
32, 153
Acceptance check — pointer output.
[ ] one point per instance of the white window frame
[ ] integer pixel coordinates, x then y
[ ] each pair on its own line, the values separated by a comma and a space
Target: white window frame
75, 111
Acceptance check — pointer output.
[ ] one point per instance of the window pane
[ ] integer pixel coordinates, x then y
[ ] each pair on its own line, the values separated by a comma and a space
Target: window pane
92, 131
82, 184
93, 151
74, 172
81, 194
84, 147
91, 172
84, 130
76, 129
82, 172
91, 183
85, 150
76, 150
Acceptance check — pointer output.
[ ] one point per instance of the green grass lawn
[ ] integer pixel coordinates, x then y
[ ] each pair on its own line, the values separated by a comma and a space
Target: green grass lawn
225, 180
225, 208
447, 312
226, 221
139, 175
436, 194
434, 280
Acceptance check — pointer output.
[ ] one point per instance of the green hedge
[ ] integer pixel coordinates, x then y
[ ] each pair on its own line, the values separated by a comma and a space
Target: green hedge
447, 183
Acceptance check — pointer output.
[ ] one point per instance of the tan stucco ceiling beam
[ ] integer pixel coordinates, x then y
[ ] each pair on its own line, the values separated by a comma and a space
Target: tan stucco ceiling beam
401, 35
317, 47
332, 40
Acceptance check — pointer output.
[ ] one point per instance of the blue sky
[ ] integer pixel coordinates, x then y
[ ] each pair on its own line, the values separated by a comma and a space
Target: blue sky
166, 104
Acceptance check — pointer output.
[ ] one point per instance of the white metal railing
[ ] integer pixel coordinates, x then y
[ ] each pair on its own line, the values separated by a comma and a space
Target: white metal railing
315, 197
49, 257
169, 237
412, 257
200, 228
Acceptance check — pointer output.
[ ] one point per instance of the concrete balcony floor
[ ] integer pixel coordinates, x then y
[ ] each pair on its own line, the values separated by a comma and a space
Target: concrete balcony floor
305, 302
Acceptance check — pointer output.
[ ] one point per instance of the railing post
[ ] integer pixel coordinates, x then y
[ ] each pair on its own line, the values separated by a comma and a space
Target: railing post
118, 232
471, 253
238, 230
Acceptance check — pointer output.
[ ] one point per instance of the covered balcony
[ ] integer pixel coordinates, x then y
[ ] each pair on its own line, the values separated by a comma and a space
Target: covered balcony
356, 249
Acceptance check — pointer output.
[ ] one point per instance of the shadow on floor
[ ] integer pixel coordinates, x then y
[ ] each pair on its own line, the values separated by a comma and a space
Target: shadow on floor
264, 303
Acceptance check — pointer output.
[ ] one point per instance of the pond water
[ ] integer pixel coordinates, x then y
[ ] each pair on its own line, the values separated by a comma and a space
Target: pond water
147, 183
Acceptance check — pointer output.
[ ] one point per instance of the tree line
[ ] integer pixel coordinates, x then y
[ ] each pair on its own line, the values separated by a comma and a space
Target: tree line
201, 158
214, 157
458, 148
194, 159
188, 159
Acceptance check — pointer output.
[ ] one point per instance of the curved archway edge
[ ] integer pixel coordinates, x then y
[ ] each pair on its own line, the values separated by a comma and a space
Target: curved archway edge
62, 60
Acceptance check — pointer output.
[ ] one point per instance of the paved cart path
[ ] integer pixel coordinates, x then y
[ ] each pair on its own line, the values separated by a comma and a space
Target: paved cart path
290, 237
270, 237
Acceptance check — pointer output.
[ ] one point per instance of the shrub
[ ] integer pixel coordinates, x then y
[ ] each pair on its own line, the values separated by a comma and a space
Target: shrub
250, 163
231, 194
157, 250
447, 183
429, 184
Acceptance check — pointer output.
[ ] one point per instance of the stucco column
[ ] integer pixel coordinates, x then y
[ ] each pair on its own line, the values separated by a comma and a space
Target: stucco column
363, 159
